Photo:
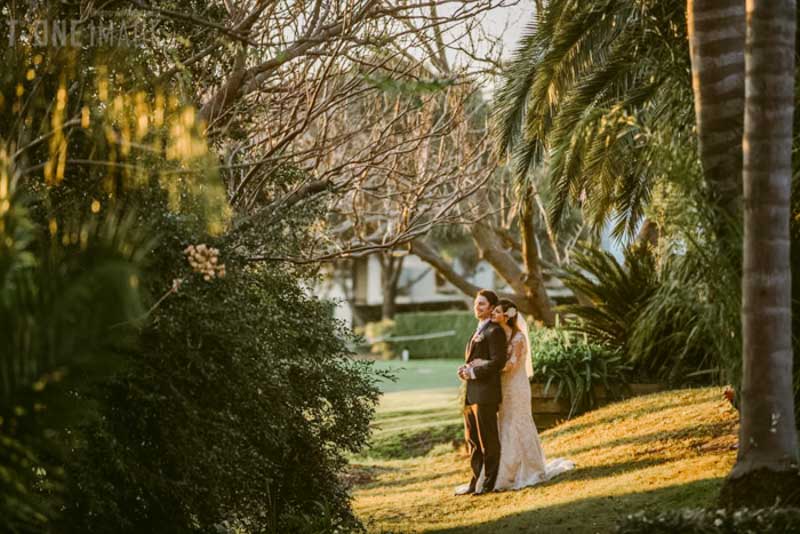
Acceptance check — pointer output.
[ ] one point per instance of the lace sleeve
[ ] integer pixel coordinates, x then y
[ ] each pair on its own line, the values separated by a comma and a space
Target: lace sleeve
515, 352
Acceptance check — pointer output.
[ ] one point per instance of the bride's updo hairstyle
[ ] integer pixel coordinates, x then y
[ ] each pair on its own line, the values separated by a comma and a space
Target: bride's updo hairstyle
508, 305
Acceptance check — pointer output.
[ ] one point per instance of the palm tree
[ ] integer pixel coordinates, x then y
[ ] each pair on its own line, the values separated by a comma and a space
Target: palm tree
61, 300
716, 42
767, 462
58, 300
590, 95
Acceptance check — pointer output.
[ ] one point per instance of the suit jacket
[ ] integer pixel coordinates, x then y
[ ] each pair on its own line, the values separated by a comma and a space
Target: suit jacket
488, 344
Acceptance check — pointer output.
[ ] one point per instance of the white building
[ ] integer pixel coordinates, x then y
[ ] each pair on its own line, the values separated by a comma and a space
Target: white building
359, 294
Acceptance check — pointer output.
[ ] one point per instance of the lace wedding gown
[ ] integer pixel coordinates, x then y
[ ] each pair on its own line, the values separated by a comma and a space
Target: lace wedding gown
522, 461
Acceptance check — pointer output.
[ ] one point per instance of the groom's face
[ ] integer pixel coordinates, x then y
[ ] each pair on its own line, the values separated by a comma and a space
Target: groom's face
482, 308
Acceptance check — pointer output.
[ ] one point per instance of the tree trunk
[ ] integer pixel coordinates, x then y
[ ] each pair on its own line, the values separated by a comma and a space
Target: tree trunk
391, 268
533, 279
528, 284
767, 463
429, 255
716, 43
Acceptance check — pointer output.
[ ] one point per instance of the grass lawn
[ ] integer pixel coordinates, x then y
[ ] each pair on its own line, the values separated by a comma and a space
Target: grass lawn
660, 451
420, 374
411, 423
417, 411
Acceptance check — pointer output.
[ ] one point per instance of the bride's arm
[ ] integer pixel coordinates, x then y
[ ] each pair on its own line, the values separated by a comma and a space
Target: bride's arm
517, 348
497, 355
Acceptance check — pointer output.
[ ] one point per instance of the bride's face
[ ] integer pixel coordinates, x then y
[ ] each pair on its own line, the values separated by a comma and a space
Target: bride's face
499, 316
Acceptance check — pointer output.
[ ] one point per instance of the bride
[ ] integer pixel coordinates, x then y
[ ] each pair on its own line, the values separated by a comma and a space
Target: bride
522, 461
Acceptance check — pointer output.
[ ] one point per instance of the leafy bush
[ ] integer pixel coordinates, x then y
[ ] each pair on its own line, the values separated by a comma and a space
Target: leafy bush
237, 399
238, 409
712, 521
414, 324
617, 293
670, 322
566, 361
688, 331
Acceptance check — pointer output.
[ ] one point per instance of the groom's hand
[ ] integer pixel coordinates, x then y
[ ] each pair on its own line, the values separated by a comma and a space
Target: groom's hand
465, 373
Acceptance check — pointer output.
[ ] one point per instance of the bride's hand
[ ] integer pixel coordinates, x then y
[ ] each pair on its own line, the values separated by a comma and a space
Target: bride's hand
476, 362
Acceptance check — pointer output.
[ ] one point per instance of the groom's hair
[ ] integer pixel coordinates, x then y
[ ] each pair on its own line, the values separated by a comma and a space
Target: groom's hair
489, 295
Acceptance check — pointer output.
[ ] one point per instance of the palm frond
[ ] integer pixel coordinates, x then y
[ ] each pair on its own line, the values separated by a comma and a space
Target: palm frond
61, 291
580, 67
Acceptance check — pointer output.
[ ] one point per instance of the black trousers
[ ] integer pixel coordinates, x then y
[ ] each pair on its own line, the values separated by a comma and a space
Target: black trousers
480, 423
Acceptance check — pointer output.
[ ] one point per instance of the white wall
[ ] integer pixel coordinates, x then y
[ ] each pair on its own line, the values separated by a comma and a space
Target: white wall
413, 267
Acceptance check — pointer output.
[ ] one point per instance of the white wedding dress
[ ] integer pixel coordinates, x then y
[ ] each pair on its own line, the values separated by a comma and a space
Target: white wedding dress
522, 461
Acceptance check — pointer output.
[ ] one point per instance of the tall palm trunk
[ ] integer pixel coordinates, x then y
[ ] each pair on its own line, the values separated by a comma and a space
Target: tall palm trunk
766, 467
716, 31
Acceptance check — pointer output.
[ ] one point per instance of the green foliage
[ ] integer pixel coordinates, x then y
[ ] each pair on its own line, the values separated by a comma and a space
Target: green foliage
566, 361
22, 508
197, 413
667, 321
62, 290
795, 259
616, 291
690, 521
688, 331
588, 91
238, 406
419, 323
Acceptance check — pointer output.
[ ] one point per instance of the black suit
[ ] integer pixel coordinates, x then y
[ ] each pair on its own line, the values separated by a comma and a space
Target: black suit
482, 401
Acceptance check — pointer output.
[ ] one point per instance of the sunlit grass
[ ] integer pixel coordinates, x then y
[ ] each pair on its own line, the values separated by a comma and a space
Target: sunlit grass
420, 374
411, 423
661, 451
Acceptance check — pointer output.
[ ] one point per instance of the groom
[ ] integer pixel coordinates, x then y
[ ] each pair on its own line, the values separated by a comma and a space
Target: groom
483, 393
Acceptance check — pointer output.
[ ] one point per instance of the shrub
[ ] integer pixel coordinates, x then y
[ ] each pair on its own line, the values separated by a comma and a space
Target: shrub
239, 408
566, 361
688, 331
59, 299
672, 322
414, 324
617, 293
713, 521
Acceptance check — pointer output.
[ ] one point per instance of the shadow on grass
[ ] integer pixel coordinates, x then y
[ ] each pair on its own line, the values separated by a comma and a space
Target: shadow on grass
697, 433
598, 514
410, 444
409, 481
597, 472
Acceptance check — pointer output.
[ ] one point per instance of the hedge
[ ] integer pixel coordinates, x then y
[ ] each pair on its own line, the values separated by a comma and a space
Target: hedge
419, 323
